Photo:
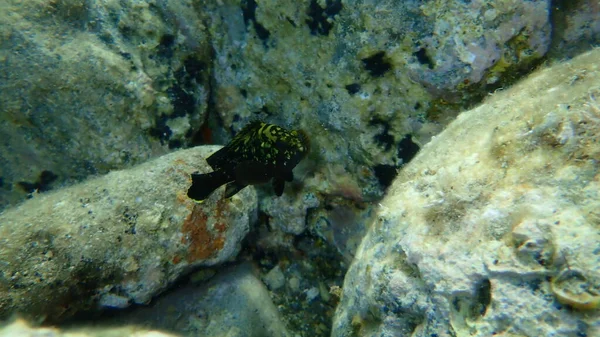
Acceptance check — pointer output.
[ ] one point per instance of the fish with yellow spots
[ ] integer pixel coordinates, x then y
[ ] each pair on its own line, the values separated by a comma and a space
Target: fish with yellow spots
258, 153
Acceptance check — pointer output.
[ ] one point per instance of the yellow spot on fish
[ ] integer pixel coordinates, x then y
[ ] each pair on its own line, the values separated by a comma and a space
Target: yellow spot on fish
269, 135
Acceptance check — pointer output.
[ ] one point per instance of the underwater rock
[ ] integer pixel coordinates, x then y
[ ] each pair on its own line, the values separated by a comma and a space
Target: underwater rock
576, 26
234, 303
342, 225
116, 240
493, 228
92, 86
274, 279
20, 328
288, 212
371, 82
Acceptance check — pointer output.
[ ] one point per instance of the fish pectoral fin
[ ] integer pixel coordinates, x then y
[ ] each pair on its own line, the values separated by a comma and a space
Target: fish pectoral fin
203, 184
233, 188
278, 185
251, 172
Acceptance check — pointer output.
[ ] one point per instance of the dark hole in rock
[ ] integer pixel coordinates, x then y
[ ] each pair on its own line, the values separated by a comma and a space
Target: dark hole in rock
41, 185
384, 138
320, 19
161, 130
47, 177
483, 298
27, 187
182, 92
183, 97
385, 174
353, 88
264, 110
193, 67
175, 144
377, 65
165, 46
126, 56
183, 101
249, 12
423, 58
407, 149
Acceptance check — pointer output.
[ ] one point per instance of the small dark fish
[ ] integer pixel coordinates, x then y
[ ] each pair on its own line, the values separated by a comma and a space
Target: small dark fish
258, 153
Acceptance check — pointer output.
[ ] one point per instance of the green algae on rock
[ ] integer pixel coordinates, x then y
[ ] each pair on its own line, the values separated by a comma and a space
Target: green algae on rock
115, 240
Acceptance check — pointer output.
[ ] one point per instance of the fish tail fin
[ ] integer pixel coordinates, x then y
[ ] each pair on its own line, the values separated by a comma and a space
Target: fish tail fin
278, 185
203, 184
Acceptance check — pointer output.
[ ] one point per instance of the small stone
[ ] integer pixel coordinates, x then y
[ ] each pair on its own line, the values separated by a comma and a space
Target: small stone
294, 284
275, 278
312, 294
113, 301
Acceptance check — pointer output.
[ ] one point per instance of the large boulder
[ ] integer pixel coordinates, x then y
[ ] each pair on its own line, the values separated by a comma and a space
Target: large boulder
90, 86
116, 240
235, 303
493, 228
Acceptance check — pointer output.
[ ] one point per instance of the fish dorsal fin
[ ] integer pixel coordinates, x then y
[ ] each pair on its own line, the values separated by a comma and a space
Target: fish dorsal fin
239, 143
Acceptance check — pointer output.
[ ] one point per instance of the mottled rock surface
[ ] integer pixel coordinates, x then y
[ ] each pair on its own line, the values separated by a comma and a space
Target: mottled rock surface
370, 81
493, 228
116, 240
90, 86
234, 304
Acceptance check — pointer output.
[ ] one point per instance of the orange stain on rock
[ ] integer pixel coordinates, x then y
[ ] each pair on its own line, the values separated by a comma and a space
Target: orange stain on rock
182, 198
222, 207
203, 242
176, 259
221, 224
221, 227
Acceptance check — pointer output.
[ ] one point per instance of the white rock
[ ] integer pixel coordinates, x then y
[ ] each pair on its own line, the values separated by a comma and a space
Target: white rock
493, 228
